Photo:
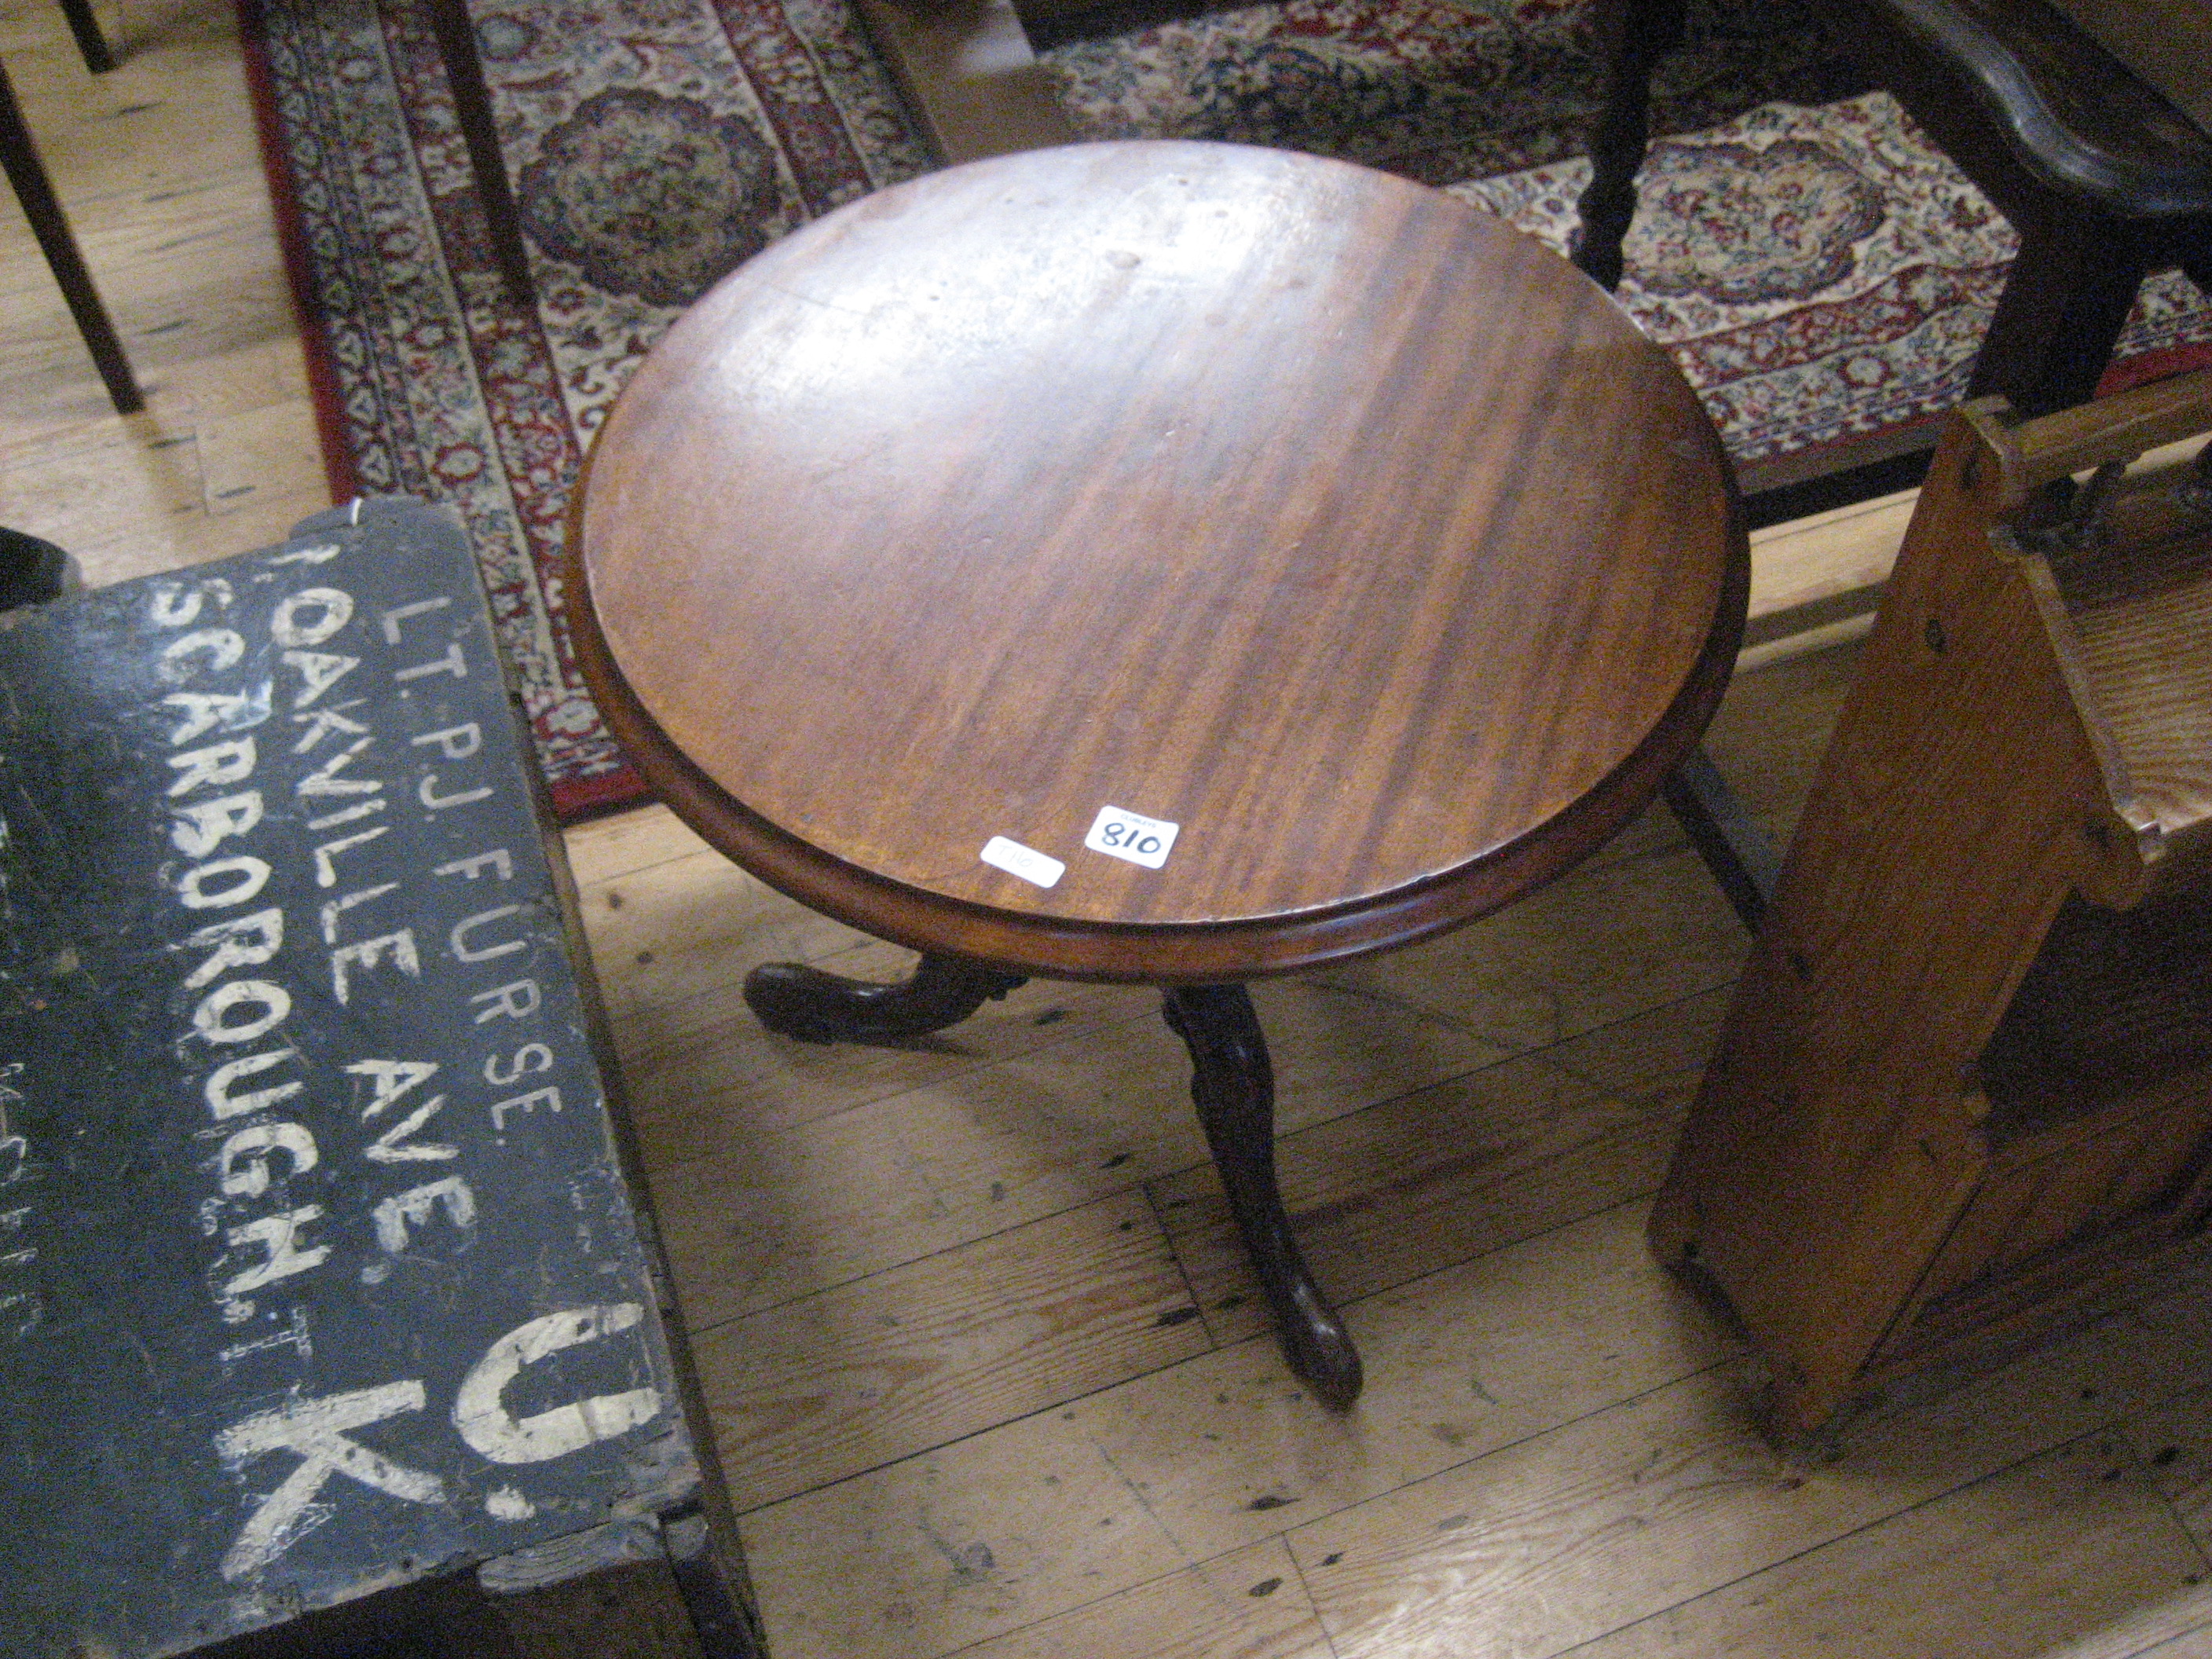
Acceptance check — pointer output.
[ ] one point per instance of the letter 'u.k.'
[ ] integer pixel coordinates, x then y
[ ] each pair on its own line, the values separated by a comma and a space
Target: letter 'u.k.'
316, 1430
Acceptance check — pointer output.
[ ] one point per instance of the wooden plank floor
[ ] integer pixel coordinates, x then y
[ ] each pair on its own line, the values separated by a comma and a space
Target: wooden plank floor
986, 1371
156, 165
988, 1376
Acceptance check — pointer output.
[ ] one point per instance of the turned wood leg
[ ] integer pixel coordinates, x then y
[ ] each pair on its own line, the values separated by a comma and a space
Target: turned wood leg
1736, 851
90, 42
1634, 35
1234, 1088
2064, 302
44, 209
797, 1001
457, 49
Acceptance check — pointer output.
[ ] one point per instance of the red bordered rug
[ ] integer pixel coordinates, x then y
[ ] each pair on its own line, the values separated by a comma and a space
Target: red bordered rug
655, 144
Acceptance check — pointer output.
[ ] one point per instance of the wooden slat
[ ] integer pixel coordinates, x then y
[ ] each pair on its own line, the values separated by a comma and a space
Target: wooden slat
704, 1076
2175, 1442
1222, 1451
1814, 570
1249, 1604
622, 843
1565, 1537
968, 74
2074, 1544
1522, 977
824, 1387
1012, 1136
1385, 1195
2142, 624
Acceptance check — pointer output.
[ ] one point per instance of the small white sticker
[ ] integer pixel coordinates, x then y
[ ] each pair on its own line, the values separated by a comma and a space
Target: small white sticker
1131, 836
1026, 862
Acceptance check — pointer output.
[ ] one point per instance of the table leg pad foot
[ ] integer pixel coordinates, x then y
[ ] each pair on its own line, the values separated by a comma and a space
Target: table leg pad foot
794, 1001
1233, 1086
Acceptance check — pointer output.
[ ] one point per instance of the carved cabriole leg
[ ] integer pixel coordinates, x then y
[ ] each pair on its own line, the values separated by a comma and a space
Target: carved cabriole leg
1634, 35
802, 1002
1234, 1088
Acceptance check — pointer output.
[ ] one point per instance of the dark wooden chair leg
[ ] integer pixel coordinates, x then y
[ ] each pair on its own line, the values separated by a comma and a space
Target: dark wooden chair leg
457, 48
1234, 1089
89, 40
2064, 302
29, 175
794, 1001
1728, 838
1636, 34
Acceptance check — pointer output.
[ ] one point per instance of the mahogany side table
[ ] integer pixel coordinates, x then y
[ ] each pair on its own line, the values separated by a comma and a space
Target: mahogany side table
1159, 563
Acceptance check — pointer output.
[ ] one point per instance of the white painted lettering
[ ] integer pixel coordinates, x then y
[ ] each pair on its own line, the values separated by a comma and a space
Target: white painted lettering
325, 780
399, 614
212, 1019
319, 553
205, 711
254, 1146
315, 1430
319, 671
517, 1000
230, 761
278, 1236
426, 792
327, 874
454, 742
550, 1098
339, 907
452, 663
473, 865
467, 925
321, 723
350, 815
172, 607
204, 823
390, 1080
480, 1413
240, 942
395, 1145
328, 610
223, 647
294, 1336
224, 1105
530, 1057
368, 953
393, 1214
251, 873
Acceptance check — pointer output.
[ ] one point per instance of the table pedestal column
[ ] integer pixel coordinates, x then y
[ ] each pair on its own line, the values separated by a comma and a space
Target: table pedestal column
1231, 1083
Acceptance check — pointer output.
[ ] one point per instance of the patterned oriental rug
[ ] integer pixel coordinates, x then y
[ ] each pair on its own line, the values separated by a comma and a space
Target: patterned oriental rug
1819, 271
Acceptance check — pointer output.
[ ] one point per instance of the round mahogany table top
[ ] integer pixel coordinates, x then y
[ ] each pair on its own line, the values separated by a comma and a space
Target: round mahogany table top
1352, 534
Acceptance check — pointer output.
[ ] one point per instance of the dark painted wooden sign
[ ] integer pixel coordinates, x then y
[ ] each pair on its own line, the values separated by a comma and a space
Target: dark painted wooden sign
318, 1272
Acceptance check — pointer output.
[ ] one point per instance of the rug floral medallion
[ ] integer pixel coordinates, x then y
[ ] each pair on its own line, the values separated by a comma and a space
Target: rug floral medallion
653, 145
1817, 269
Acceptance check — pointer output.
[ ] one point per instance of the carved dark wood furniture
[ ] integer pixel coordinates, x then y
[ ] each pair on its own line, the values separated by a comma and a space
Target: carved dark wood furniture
1168, 563
1967, 1083
2103, 180
472, 114
28, 174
